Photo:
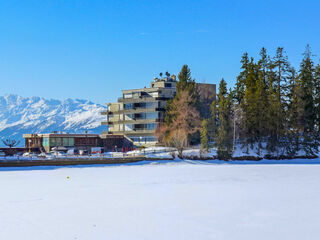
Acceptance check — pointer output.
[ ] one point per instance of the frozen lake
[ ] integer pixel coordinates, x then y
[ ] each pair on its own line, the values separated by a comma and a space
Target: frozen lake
177, 200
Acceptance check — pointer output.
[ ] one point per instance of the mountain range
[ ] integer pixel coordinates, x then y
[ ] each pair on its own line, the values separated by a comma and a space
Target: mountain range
21, 115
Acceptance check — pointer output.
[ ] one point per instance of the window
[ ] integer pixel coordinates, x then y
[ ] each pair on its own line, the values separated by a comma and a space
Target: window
65, 142
45, 142
128, 127
152, 115
127, 95
68, 142
59, 141
52, 142
167, 85
128, 106
150, 126
153, 94
150, 105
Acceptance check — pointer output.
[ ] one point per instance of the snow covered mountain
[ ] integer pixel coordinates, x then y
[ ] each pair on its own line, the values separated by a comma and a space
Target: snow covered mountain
20, 115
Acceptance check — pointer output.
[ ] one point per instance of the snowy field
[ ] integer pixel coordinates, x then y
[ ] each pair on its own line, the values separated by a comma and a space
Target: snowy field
176, 200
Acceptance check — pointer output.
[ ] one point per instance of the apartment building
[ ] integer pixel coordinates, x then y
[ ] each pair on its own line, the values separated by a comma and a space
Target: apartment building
138, 112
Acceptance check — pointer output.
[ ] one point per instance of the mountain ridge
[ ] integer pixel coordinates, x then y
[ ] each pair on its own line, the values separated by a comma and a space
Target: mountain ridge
21, 115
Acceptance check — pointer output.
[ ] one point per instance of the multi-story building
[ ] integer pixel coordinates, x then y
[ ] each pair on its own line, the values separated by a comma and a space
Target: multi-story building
138, 112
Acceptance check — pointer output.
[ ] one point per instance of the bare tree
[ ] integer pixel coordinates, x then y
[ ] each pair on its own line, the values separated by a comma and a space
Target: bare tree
10, 143
186, 121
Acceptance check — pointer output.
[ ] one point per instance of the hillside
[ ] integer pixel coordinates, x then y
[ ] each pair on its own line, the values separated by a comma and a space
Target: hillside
19, 115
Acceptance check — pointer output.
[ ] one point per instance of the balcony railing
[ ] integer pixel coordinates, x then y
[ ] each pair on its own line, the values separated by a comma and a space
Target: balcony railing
138, 110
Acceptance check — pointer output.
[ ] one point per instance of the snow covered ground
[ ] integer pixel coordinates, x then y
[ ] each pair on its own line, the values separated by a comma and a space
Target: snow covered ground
170, 200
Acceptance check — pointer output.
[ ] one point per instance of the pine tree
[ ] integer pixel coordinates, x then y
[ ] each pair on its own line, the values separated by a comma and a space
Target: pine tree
249, 106
212, 126
278, 91
184, 78
262, 97
204, 137
187, 83
264, 64
223, 141
240, 85
307, 81
294, 114
317, 101
184, 81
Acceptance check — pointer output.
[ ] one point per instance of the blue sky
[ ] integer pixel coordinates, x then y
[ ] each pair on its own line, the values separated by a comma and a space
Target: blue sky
93, 49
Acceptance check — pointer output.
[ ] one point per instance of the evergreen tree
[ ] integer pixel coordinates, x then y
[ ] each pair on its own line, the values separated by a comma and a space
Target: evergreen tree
317, 100
204, 137
249, 106
212, 125
262, 96
294, 114
277, 105
240, 85
184, 78
187, 83
307, 81
223, 141
264, 64
278, 91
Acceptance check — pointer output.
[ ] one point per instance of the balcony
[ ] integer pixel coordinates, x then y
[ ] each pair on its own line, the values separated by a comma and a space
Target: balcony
139, 110
104, 112
140, 131
108, 123
137, 99
135, 121
107, 112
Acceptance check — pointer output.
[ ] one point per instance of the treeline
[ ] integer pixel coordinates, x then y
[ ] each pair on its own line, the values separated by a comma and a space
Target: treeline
273, 107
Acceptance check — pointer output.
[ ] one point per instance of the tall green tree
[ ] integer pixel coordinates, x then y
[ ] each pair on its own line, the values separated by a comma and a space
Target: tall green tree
317, 100
204, 137
307, 81
250, 106
294, 114
278, 91
262, 96
241, 79
223, 140
186, 82
212, 122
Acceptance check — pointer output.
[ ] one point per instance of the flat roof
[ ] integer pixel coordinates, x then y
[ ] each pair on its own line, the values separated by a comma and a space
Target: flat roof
60, 135
142, 90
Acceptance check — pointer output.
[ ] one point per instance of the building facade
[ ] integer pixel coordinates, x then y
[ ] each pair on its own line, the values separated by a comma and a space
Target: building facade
64, 141
139, 111
48, 141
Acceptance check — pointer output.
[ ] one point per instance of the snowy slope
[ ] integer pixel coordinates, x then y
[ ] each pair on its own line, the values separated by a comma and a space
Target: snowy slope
162, 201
19, 115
